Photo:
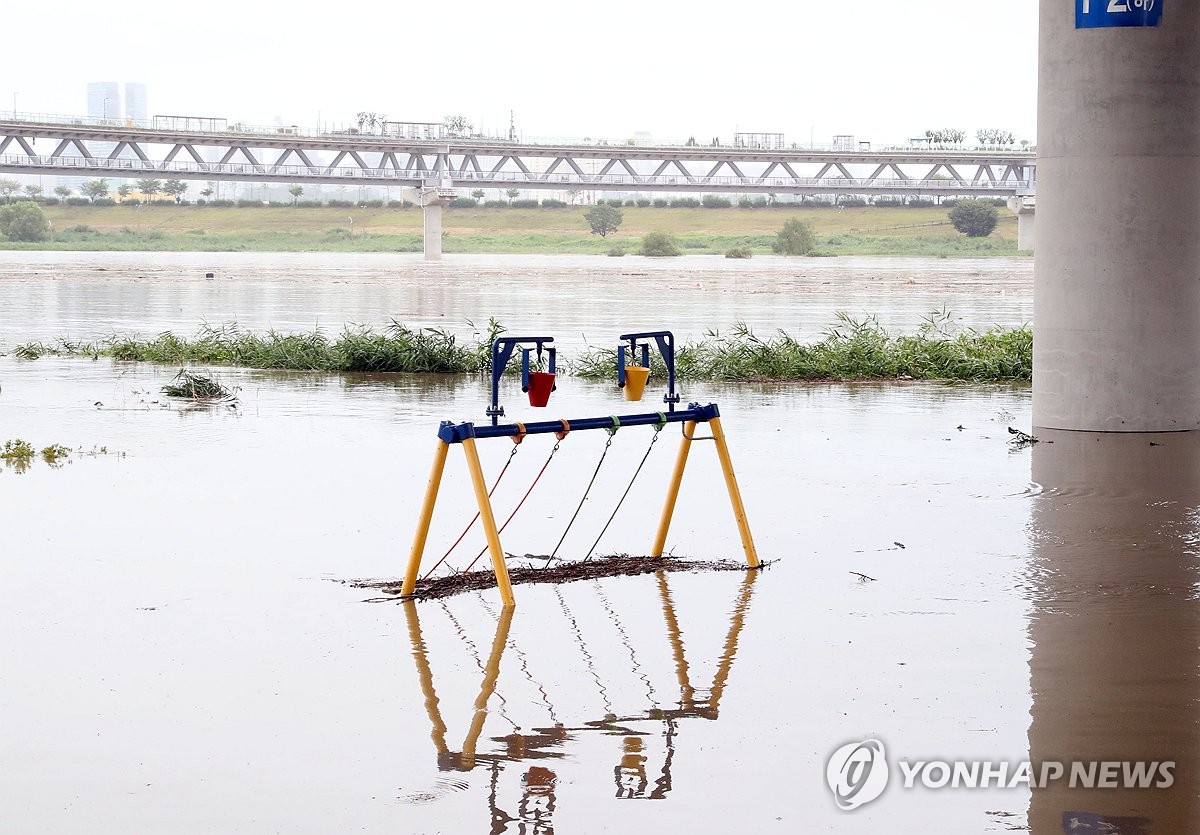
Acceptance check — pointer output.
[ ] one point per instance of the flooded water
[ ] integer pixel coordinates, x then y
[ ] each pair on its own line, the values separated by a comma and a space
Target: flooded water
180, 652
92, 294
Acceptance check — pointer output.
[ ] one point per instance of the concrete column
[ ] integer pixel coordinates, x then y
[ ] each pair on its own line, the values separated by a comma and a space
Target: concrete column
1117, 274
433, 228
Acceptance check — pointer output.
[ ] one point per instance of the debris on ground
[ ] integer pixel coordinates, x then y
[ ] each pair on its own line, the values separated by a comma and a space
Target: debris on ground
618, 565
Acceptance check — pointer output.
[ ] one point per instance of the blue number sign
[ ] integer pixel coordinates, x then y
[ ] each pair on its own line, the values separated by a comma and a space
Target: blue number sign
1099, 14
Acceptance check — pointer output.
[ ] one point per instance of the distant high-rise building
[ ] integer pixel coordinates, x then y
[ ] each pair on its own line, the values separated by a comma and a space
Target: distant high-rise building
104, 105
103, 100
135, 102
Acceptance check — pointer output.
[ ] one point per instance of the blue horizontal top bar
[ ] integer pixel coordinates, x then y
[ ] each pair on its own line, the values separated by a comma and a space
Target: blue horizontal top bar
453, 433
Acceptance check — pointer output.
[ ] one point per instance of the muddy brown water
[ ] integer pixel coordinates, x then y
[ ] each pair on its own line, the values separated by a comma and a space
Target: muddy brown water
180, 655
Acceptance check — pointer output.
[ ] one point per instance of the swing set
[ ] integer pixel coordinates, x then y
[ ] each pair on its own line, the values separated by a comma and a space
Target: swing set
538, 374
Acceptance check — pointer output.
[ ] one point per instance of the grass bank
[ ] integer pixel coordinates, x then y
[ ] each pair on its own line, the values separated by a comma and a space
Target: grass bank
850, 350
872, 230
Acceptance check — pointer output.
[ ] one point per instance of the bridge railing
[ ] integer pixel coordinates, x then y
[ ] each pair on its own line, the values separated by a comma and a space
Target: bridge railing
195, 125
622, 181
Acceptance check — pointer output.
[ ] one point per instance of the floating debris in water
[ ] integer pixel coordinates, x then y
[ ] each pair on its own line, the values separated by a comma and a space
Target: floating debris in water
192, 386
619, 565
1020, 439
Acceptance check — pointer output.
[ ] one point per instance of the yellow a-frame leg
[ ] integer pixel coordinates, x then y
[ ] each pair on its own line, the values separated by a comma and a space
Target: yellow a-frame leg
735, 495
422, 533
685, 446
486, 518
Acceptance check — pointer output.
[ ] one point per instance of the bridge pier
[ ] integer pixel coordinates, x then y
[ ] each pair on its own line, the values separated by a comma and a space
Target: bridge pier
1023, 207
432, 211
1117, 275
432, 199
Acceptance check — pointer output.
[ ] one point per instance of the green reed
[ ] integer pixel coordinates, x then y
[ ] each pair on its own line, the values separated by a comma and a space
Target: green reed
850, 349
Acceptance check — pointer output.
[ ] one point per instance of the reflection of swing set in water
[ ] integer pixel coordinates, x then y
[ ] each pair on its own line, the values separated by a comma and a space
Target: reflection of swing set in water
538, 785
539, 384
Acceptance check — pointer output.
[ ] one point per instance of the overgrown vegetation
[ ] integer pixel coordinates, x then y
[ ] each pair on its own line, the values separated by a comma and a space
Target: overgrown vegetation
795, 238
659, 245
396, 348
17, 450
852, 349
23, 221
19, 454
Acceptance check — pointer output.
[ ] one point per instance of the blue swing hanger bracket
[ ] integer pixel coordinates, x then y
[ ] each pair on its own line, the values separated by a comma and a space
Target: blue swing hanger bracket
665, 341
502, 351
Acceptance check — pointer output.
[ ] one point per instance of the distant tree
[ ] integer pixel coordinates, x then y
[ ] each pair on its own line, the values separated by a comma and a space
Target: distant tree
573, 194
370, 119
946, 136
94, 189
175, 188
457, 125
513, 194
993, 136
23, 221
974, 218
603, 219
8, 188
124, 190
659, 245
795, 238
208, 189
63, 192
150, 188
295, 190
33, 192
479, 194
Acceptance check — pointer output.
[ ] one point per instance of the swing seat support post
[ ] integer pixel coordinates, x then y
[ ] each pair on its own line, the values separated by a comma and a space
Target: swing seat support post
664, 523
488, 520
735, 494
731, 485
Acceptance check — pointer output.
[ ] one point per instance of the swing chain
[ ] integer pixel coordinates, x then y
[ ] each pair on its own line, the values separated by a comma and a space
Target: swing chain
516, 446
658, 427
536, 478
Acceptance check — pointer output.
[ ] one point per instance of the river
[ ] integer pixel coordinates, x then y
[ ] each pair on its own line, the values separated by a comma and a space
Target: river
183, 651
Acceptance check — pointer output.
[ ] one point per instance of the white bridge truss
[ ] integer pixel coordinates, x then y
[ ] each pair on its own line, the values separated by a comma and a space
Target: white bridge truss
29, 147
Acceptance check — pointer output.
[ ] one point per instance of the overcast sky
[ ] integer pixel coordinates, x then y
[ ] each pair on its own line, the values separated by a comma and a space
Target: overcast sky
881, 70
